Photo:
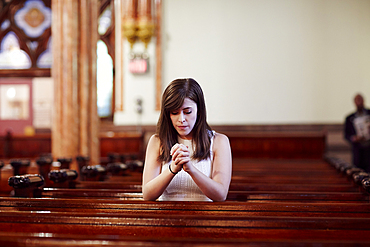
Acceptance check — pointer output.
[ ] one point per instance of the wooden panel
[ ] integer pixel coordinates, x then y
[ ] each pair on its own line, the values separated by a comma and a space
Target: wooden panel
305, 145
33, 146
28, 146
277, 144
122, 143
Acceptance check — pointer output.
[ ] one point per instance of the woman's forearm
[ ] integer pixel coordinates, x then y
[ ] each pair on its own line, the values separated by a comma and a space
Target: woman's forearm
155, 187
211, 188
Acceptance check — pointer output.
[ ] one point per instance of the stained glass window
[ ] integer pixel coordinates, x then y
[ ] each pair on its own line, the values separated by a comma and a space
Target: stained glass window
25, 32
11, 56
105, 21
34, 18
45, 59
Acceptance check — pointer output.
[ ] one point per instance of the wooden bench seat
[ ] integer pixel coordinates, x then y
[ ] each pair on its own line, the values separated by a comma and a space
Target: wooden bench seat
79, 240
289, 186
234, 186
284, 205
192, 226
114, 205
232, 195
113, 212
186, 220
237, 195
289, 179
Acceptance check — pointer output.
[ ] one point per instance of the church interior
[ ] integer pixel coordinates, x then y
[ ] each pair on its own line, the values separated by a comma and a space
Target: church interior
81, 83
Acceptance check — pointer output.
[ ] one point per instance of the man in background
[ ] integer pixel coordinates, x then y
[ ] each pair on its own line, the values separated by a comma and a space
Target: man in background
357, 133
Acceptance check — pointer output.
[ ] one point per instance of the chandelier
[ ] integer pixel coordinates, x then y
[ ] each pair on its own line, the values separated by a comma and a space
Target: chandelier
137, 21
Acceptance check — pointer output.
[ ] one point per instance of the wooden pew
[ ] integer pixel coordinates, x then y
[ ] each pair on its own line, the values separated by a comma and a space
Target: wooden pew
251, 226
287, 178
189, 226
244, 143
221, 209
277, 144
22, 146
116, 206
78, 240
127, 194
234, 186
235, 195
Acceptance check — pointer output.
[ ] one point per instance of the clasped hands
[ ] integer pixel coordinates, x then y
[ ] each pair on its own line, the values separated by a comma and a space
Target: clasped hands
180, 158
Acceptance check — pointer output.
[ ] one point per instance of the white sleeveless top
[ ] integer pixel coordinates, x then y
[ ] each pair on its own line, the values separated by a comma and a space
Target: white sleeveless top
182, 187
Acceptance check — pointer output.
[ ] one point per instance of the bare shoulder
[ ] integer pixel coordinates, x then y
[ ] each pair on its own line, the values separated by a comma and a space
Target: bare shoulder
152, 150
154, 142
219, 137
154, 138
221, 141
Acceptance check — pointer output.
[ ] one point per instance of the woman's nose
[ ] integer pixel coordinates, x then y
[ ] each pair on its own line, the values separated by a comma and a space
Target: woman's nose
181, 117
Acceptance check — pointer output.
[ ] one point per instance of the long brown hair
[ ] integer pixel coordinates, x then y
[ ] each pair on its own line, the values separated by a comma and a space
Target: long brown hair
172, 99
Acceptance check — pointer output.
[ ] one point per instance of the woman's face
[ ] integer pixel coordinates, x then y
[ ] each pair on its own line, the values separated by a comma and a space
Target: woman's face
183, 119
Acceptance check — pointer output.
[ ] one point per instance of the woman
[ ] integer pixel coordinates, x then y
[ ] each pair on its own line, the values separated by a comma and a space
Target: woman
185, 160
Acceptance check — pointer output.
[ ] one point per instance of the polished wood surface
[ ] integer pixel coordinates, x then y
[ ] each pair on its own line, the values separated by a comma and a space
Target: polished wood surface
281, 201
278, 202
20, 146
300, 145
297, 145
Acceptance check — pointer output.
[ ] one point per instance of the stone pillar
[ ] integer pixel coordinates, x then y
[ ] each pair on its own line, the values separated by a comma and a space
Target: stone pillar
75, 128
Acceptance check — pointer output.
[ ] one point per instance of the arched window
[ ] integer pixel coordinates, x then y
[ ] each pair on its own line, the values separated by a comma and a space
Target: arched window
105, 63
11, 56
104, 80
